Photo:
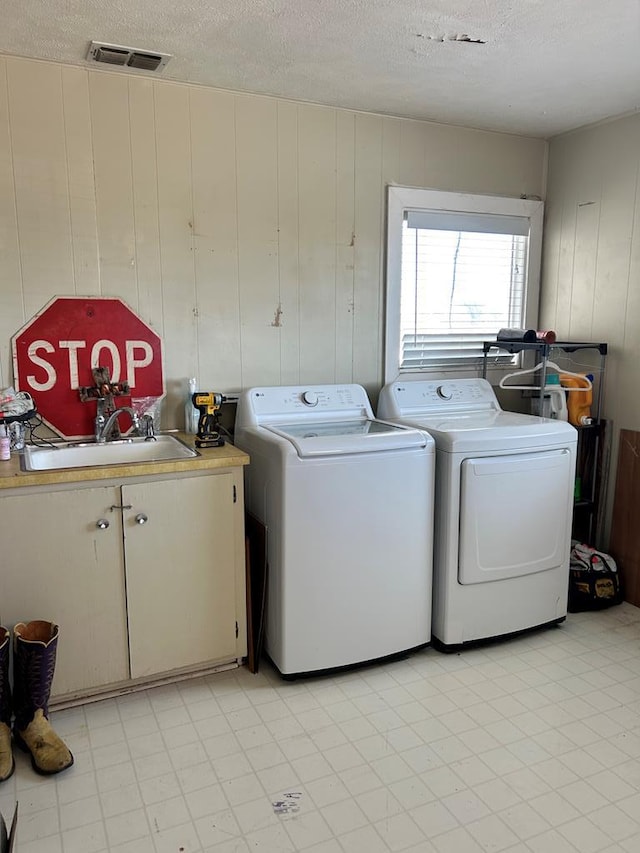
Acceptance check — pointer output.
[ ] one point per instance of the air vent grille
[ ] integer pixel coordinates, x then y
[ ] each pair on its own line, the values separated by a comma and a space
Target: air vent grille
127, 57
112, 56
146, 61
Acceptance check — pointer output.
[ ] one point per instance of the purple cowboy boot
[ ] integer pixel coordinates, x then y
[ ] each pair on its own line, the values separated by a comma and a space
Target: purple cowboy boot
34, 662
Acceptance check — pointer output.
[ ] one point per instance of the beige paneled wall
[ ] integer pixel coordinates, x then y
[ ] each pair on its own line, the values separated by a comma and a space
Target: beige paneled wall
248, 231
591, 263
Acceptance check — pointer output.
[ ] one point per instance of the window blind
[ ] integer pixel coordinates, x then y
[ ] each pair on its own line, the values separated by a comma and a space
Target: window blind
463, 277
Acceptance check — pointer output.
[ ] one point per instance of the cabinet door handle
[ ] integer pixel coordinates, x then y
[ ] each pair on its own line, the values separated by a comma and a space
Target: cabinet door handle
102, 524
141, 518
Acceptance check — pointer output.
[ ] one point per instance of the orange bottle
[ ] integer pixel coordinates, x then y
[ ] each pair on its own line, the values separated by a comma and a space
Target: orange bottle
579, 398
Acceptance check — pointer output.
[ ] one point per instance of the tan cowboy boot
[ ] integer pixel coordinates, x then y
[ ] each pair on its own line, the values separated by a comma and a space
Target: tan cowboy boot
7, 765
34, 662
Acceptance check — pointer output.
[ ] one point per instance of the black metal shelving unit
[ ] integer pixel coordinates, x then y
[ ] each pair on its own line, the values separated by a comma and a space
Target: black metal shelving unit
589, 460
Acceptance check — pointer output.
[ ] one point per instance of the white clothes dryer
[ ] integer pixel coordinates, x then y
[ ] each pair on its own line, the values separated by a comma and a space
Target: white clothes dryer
348, 506
504, 500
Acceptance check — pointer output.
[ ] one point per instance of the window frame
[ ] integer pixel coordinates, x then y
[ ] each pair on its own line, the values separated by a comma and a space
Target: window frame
401, 199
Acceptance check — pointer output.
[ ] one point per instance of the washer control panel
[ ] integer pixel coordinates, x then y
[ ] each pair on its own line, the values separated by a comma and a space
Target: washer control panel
338, 400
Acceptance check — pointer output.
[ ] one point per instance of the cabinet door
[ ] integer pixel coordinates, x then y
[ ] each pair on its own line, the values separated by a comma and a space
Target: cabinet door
59, 566
180, 573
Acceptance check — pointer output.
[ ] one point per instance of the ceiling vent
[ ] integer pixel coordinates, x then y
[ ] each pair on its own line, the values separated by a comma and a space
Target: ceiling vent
127, 57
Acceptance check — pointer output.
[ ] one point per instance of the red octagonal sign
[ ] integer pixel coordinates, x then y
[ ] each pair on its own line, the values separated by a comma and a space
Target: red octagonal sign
54, 354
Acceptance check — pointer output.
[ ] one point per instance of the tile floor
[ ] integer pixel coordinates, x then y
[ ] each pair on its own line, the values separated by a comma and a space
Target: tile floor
528, 745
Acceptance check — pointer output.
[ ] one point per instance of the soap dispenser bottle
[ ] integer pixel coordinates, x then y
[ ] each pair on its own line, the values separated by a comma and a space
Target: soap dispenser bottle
5, 444
191, 415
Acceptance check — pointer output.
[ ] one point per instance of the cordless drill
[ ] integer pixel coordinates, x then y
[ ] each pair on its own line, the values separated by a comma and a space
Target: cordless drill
208, 404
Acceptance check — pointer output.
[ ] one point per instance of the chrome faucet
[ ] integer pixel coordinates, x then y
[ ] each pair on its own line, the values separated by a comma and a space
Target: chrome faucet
103, 426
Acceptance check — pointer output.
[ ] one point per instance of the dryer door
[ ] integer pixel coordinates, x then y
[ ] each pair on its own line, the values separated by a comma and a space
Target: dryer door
515, 515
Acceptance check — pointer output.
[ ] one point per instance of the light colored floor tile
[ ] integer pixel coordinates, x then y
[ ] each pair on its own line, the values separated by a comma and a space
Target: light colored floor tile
180, 735
85, 839
466, 806
527, 746
550, 841
554, 808
307, 828
524, 821
119, 800
442, 781
81, 812
283, 777
168, 814
183, 838
433, 819
381, 803
584, 835
492, 833
212, 829
363, 839
583, 796
615, 823
117, 776
205, 801
128, 827
497, 795
44, 845
456, 841
326, 791
399, 832
160, 788
344, 816
272, 839
41, 824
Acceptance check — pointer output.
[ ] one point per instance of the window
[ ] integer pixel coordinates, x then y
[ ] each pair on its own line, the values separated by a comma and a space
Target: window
459, 267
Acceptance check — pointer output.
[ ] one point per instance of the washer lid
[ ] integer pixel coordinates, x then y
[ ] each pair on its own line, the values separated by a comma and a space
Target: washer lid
492, 430
334, 438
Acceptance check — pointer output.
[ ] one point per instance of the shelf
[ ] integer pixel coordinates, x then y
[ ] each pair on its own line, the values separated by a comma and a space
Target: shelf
590, 460
542, 347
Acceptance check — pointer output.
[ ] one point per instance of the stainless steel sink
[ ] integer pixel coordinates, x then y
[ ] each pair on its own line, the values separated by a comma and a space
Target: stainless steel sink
89, 454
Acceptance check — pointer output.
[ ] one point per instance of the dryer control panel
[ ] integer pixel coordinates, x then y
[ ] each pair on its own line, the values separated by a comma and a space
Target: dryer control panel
436, 395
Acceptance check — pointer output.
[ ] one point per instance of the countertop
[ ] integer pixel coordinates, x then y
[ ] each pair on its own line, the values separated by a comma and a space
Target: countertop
228, 456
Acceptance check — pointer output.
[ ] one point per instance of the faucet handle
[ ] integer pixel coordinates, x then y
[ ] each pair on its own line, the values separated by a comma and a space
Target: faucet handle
146, 428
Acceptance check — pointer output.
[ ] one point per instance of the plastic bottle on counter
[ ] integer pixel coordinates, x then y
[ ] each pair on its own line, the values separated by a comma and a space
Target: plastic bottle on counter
5, 444
191, 414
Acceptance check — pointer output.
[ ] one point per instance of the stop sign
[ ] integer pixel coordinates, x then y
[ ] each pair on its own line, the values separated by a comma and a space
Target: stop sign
56, 351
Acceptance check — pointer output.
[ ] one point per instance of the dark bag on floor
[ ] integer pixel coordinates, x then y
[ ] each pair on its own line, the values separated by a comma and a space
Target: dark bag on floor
594, 581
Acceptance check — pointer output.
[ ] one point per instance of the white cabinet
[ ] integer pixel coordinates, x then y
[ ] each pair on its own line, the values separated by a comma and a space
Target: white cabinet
59, 566
144, 576
180, 572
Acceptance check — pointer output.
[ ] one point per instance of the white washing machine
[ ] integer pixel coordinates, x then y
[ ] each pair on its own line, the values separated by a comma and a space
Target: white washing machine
504, 500
348, 506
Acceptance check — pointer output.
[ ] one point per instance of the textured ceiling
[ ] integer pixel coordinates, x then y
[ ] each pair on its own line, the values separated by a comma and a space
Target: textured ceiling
546, 66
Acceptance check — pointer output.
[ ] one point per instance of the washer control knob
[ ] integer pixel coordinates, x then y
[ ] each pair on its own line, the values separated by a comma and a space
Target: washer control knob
444, 392
310, 398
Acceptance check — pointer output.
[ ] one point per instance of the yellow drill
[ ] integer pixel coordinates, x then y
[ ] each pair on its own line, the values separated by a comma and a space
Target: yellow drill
208, 404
